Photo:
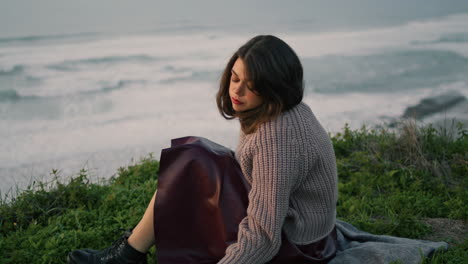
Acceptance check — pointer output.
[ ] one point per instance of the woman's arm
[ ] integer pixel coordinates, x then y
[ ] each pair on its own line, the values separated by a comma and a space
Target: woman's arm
275, 169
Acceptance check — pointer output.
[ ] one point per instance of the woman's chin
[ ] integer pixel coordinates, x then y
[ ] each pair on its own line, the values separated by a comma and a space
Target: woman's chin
238, 108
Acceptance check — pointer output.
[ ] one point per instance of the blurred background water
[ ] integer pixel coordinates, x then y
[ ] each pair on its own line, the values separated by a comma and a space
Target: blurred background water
98, 85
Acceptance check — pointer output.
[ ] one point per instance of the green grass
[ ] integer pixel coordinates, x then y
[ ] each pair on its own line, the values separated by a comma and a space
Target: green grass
390, 182
45, 222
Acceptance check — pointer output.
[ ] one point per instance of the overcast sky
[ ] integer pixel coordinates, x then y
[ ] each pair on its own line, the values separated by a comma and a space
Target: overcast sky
44, 17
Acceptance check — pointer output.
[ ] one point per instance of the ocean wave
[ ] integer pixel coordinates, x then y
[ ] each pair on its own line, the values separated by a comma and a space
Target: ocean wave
183, 26
385, 72
174, 69
70, 65
119, 85
460, 37
455, 37
13, 96
9, 95
37, 38
17, 69
106, 88
197, 76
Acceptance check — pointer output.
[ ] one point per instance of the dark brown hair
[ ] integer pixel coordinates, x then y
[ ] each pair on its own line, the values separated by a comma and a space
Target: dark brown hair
277, 76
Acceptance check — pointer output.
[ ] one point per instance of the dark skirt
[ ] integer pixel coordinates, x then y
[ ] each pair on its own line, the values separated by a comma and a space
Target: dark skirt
201, 199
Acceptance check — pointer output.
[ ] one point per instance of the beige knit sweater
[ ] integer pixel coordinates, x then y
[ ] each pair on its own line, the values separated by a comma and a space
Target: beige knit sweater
291, 167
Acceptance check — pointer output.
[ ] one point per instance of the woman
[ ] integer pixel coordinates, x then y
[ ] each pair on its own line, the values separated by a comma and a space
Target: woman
286, 161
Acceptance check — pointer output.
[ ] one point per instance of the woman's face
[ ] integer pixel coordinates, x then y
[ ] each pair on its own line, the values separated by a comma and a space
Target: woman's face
243, 96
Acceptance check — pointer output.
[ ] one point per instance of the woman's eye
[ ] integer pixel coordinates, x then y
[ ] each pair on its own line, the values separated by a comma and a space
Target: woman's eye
234, 80
253, 90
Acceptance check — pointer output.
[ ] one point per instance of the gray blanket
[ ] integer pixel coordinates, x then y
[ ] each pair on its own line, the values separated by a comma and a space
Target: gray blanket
356, 247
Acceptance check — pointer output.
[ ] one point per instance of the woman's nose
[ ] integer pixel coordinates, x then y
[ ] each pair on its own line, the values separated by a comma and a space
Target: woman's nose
239, 89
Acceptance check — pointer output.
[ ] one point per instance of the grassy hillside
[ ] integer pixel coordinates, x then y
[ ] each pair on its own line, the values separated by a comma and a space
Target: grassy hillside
412, 182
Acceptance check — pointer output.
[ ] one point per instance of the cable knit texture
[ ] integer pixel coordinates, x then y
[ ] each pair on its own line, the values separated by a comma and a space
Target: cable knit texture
291, 167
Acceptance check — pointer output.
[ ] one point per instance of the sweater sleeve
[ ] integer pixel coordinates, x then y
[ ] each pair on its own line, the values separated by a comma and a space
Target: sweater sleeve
274, 172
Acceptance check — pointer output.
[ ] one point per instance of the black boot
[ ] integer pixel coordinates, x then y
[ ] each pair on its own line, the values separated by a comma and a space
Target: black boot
119, 253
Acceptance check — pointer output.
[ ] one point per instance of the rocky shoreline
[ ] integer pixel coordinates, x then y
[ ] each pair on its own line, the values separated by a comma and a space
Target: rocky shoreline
443, 111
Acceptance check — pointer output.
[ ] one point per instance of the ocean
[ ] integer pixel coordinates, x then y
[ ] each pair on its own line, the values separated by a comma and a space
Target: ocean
101, 101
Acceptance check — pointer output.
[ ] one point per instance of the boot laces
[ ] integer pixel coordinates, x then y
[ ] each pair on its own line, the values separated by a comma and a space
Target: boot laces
113, 251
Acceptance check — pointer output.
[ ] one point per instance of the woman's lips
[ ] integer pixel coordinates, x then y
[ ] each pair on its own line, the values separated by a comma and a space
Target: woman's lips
237, 102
